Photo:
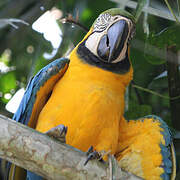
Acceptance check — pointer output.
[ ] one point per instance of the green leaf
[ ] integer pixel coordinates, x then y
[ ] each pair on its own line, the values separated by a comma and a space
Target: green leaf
158, 55
40, 63
172, 12
139, 8
5, 57
87, 13
170, 36
7, 82
157, 44
136, 111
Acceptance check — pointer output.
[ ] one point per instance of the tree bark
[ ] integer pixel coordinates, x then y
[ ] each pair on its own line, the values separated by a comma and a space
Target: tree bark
49, 158
174, 85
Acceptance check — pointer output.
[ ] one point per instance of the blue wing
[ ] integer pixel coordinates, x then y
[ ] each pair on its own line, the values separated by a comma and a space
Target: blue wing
36, 95
38, 91
167, 151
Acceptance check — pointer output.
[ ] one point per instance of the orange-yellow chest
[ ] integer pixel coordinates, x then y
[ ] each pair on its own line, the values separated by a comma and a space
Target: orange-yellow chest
90, 102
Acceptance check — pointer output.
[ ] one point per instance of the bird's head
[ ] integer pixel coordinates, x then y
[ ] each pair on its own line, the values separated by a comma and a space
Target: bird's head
106, 44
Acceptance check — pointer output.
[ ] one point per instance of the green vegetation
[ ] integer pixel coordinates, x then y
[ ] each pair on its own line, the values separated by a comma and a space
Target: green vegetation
155, 49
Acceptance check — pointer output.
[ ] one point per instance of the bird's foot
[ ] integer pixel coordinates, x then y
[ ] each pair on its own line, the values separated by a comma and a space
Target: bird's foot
59, 132
92, 154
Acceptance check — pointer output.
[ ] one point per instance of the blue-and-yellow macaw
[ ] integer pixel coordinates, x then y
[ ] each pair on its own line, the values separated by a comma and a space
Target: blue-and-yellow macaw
86, 94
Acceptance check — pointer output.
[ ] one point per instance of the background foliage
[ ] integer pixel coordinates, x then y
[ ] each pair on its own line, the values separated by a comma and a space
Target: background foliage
157, 42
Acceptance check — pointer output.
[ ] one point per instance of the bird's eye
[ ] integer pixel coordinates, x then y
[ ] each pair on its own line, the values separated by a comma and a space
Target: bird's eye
116, 18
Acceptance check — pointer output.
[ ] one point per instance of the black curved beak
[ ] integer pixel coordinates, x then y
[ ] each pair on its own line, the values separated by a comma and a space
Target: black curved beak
111, 44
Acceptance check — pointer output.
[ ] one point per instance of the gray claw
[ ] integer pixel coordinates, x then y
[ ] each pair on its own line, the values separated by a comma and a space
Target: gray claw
91, 154
58, 132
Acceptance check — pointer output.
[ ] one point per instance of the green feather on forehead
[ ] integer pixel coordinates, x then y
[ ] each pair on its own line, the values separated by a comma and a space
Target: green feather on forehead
117, 11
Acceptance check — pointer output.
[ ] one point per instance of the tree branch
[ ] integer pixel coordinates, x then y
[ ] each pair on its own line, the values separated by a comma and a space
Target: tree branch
71, 20
49, 158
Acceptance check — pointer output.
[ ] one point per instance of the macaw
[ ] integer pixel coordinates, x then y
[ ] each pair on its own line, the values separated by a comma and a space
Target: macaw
85, 93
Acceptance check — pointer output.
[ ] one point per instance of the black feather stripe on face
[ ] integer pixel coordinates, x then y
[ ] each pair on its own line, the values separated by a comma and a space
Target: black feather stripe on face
87, 56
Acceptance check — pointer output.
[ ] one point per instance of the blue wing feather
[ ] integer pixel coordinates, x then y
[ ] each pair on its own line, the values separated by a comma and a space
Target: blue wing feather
166, 150
24, 111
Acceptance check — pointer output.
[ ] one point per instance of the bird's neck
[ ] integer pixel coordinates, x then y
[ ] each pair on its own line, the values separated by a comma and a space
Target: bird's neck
84, 70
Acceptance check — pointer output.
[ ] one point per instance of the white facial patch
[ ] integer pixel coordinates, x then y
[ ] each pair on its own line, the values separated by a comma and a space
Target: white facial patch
93, 41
